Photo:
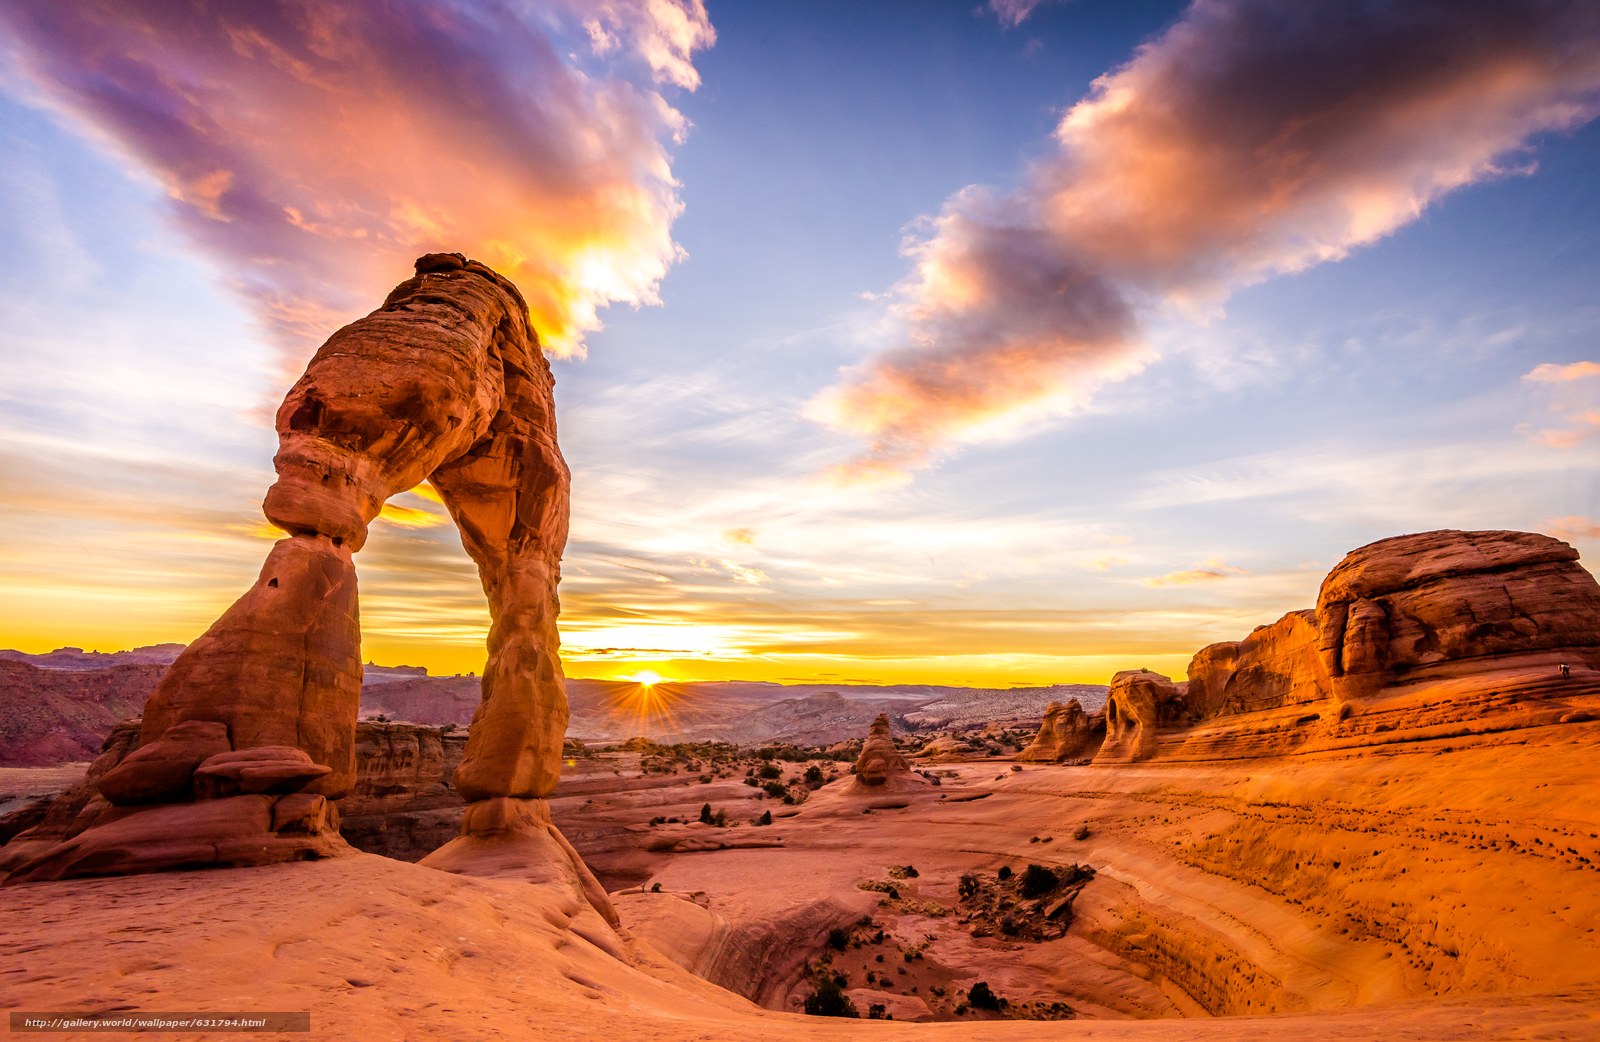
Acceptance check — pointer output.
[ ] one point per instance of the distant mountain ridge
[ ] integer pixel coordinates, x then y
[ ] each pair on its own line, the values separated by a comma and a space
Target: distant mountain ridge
62, 704
77, 658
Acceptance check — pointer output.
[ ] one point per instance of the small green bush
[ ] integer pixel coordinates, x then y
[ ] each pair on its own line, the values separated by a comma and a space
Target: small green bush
839, 938
1004, 873
766, 818
770, 770
705, 814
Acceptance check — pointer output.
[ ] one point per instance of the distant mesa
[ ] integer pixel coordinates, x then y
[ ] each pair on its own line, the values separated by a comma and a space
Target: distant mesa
77, 658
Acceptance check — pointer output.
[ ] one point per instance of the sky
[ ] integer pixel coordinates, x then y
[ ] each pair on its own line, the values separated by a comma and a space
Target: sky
908, 342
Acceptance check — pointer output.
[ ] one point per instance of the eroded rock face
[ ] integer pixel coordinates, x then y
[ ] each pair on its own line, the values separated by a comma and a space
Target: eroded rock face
403, 805
1446, 603
1140, 705
446, 383
879, 759
1066, 733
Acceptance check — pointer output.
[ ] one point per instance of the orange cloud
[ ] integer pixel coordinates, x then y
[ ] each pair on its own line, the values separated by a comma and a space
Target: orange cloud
1549, 372
315, 147
1574, 526
1205, 571
1252, 138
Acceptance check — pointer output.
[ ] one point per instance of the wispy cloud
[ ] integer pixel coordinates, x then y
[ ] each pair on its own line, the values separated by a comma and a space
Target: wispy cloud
1550, 372
1578, 403
1013, 12
314, 147
1574, 526
1209, 570
1253, 138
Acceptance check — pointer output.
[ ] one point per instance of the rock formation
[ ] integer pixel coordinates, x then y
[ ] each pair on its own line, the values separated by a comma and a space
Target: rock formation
879, 759
252, 729
1421, 631
402, 804
1140, 705
1066, 733
882, 779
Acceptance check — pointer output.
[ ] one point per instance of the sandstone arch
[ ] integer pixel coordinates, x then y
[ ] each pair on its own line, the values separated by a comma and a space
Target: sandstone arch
445, 382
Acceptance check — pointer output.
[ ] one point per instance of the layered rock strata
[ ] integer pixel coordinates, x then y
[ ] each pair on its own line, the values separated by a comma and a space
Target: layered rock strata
252, 730
1066, 733
1420, 635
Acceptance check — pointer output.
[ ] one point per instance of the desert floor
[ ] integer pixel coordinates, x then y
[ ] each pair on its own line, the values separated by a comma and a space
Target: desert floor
1428, 889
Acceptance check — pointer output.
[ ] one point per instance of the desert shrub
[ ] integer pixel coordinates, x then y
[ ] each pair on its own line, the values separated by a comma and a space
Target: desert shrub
770, 770
1074, 874
766, 818
1004, 873
839, 938
982, 998
967, 886
447, 728
705, 779
902, 871
752, 782
788, 799
767, 754
655, 888
881, 887
705, 814
814, 776
1037, 881
777, 790
721, 820
1008, 924
657, 820
829, 1000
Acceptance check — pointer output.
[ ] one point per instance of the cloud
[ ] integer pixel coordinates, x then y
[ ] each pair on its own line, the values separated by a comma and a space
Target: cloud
1574, 526
313, 148
1205, 571
1549, 372
1253, 138
1012, 12
1580, 397
408, 517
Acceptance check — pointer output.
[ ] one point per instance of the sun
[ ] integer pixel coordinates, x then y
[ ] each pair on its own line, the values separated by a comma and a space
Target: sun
647, 677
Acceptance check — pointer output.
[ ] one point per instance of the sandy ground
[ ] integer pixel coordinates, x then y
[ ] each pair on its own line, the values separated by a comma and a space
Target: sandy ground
1443, 889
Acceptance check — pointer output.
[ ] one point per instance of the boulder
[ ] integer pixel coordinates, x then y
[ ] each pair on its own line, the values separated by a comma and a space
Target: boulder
276, 769
163, 770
